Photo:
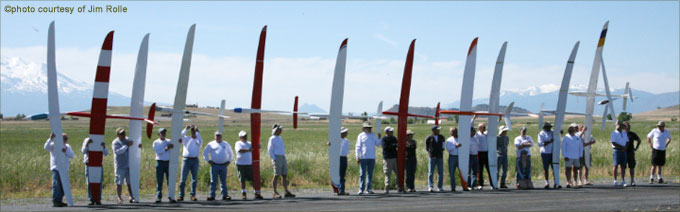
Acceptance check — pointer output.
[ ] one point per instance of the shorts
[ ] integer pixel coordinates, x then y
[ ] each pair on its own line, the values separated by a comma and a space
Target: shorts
619, 158
245, 173
630, 157
583, 161
122, 174
658, 157
280, 165
575, 163
547, 160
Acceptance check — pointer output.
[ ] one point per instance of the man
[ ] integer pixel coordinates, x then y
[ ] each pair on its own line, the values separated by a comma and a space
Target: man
630, 151
658, 140
411, 161
586, 148
545, 141
192, 145
86, 152
162, 147
502, 142
473, 167
483, 154
523, 161
219, 155
434, 144
364, 150
277, 152
121, 148
57, 189
244, 163
619, 138
572, 148
389, 146
344, 151
452, 146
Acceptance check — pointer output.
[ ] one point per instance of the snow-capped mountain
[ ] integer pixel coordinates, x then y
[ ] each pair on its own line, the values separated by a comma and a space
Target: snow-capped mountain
24, 89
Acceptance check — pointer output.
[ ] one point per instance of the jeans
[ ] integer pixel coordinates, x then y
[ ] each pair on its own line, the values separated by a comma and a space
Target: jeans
218, 172
453, 164
161, 169
503, 165
523, 173
57, 190
189, 165
473, 169
343, 173
366, 168
411, 164
87, 182
484, 164
437, 163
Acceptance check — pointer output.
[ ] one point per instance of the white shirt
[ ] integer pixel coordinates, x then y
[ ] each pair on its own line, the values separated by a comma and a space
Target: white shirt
85, 150
659, 138
481, 138
192, 146
620, 138
243, 158
218, 152
49, 146
572, 147
159, 147
519, 140
474, 145
275, 147
344, 147
365, 146
543, 137
451, 145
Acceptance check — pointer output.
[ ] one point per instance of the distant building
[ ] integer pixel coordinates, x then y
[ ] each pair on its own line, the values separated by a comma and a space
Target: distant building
193, 105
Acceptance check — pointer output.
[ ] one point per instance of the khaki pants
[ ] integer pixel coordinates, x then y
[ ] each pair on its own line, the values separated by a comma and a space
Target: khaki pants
389, 166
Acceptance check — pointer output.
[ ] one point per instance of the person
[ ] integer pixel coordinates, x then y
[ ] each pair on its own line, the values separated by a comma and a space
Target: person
502, 142
586, 148
523, 161
483, 154
219, 155
86, 153
121, 147
411, 161
619, 139
364, 150
57, 187
473, 167
545, 141
344, 151
162, 147
277, 152
434, 144
572, 149
244, 163
658, 140
190, 163
630, 151
452, 146
389, 146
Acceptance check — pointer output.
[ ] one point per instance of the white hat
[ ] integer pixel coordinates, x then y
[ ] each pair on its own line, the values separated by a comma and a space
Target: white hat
501, 129
218, 133
367, 124
242, 133
276, 127
343, 130
389, 129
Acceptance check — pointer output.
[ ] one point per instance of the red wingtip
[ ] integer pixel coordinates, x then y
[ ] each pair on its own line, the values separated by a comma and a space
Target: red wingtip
344, 43
264, 29
108, 41
149, 126
436, 115
295, 114
473, 45
413, 43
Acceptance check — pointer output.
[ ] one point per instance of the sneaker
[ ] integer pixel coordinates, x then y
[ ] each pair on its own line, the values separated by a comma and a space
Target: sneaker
210, 198
370, 192
226, 198
430, 190
289, 195
193, 198
557, 186
243, 195
440, 190
59, 204
623, 184
547, 186
180, 199
616, 184
258, 197
632, 183
661, 181
171, 200
276, 196
158, 200
91, 203
651, 180
133, 200
503, 186
360, 192
98, 203
568, 185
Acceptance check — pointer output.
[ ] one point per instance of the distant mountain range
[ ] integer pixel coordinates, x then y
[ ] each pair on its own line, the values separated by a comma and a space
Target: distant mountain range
430, 111
311, 108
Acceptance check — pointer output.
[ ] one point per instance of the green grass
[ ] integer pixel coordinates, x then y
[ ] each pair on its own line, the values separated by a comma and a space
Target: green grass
24, 172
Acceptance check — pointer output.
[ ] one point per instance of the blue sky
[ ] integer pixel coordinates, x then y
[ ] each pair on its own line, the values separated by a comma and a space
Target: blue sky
642, 46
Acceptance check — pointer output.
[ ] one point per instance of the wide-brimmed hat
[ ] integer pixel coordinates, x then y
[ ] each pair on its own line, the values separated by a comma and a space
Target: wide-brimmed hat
661, 124
436, 127
162, 130
410, 132
367, 124
344, 130
242, 133
547, 124
502, 129
389, 129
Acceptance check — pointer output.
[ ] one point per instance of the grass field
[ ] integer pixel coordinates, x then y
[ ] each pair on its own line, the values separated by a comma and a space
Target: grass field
25, 170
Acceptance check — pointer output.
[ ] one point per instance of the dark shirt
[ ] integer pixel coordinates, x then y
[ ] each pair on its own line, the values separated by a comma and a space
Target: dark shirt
435, 148
630, 146
389, 146
411, 149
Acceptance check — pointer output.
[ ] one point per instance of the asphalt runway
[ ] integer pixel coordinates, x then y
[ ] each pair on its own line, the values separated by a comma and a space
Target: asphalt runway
600, 197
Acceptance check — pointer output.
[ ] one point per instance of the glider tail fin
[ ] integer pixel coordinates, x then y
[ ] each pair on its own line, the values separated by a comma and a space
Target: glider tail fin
436, 115
506, 117
295, 113
149, 126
